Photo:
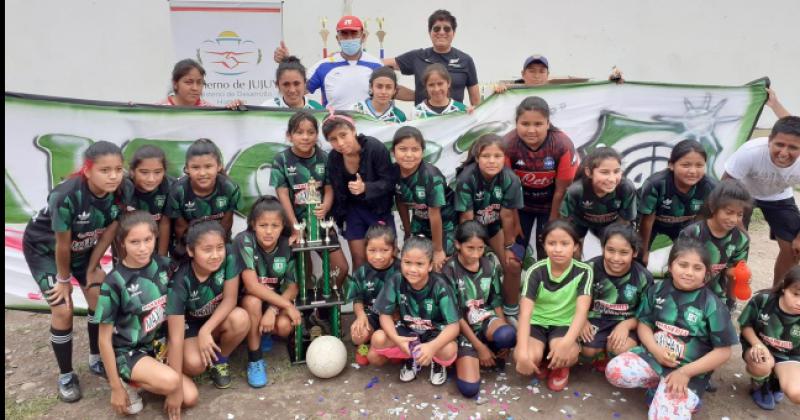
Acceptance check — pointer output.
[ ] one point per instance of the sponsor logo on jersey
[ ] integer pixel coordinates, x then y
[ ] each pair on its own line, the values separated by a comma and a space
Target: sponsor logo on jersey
133, 290
660, 302
520, 162
549, 163
279, 265
190, 206
611, 308
418, 324
269, 281
83, 218
194, 295
479, 195
776, 343
587, 204
672, 329
764, 318
292, 170
369, 285
208, 308
156, 316
666, 203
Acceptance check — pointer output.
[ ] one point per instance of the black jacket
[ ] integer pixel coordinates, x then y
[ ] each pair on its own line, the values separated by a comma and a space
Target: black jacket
377, 172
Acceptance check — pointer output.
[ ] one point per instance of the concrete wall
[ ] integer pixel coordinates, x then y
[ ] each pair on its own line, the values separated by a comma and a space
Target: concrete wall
122, 50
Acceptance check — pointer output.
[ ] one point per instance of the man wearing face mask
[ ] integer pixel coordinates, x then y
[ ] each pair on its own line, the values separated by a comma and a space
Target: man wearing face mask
442, 30
344, 76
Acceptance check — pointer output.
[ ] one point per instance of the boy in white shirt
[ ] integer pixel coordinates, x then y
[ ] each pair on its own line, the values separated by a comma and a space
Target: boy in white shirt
770, 170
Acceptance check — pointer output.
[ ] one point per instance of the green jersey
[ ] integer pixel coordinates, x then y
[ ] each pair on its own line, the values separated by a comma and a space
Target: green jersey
779, 331
153, 202
293, 173
278, 102
392, 114
72, 207
555, 298
135, 302
617, 298
485, 198
672, 208
424, 110
689, 324
183, 202
430, 309
423, 189
585, 209
366, 283
274, 269
725, 252
478, 292
197, 299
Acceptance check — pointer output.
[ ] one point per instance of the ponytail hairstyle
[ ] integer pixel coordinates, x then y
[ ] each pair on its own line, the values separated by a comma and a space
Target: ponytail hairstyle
408, 132
127, 222
627, 233
94, 152
482, 143
471, 229
290, 63
791, 278
381, 230
536, 103
594, 159
421, 243
684, 147
436, 68
384, 71
264, 204
147, 152
728, 191
182, 68
689, 245
201, 147
199, 228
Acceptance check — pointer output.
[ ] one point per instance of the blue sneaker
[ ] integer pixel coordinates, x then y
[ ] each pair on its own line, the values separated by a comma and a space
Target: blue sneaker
763, 397
257, 374
98, 368
266, 343
69, 388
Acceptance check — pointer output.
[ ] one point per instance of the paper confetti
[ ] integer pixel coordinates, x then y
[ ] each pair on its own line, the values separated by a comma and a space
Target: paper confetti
372, 382
534, 409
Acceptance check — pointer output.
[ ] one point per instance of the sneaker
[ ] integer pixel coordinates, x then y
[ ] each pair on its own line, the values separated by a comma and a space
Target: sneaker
361, 355
256, 374
711, 386
775, 387
698, 407
499, 364
512, 320
438, 374
135, 399
221, 375
599, 364
763, 397
558, 379
407, 372
69, 388
98, 368
544, 372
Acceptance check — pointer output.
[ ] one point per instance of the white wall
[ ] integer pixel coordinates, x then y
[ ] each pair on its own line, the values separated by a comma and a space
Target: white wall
122, 50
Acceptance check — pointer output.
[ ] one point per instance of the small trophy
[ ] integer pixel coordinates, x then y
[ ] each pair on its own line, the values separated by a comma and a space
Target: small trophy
300, 227
324, 34
315, 288
326, 225
313, 198
381, 34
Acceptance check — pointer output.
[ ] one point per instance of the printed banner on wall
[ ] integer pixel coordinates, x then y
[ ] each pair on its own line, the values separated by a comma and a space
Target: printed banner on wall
234, 43
45, 138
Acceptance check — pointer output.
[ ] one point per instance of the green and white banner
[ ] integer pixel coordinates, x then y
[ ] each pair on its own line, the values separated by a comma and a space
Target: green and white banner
45, 137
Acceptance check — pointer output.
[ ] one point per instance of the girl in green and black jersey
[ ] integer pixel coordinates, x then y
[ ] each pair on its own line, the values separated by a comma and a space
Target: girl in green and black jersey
148, 190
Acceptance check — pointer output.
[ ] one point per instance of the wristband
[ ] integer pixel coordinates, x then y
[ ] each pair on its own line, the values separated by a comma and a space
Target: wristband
274, 309
509, 246
66, 280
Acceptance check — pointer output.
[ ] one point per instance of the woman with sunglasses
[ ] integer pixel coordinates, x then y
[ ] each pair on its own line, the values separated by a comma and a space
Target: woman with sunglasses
442, 28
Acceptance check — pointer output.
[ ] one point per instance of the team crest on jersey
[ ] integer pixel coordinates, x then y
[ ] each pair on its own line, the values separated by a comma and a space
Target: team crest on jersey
549, 163
320, 168
693, 315
629, 292
113, 211
617, 203
163, 276
218, 277
403, 299
485, 283
429, 305
729, 249
696, 204
222, 202
666, 203
160, 200
795, 331
420, 192
498, 193
279, 265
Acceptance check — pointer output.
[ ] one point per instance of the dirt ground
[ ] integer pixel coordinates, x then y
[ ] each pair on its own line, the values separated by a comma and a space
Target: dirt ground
293, 393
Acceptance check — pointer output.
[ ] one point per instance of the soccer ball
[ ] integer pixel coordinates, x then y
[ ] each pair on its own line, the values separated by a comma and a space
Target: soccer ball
326, 357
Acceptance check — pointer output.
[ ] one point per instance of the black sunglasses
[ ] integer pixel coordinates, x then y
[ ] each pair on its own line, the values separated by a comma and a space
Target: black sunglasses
446, 29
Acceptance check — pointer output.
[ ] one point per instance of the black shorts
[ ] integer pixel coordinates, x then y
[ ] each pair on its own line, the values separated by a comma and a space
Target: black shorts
465, 348
43, 268
127, 360
374, 320
425, 337
527, 220
545, 333
192, 329
783, 218
603, 328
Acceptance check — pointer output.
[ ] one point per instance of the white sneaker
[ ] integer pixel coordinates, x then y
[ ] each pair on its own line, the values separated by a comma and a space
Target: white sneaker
136, 400
407, 371
438, 374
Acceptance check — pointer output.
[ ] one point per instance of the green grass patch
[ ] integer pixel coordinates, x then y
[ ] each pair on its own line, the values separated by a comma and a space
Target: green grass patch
29, 409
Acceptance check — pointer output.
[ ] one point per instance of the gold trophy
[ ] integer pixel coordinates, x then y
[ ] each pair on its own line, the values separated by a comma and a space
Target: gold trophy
324, 34
381, 34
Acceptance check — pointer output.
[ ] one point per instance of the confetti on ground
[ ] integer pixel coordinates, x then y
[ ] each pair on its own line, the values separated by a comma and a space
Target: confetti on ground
534, 409
481, 401
615, 393
355, 366
586, 396
623, 400
372, 382
738, 375
231, 416
617, 415
262, 398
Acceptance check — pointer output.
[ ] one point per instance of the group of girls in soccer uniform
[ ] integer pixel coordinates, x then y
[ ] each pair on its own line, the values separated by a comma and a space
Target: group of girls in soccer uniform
454, 295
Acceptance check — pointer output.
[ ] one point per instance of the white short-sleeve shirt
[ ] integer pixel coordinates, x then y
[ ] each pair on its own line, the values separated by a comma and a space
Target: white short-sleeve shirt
343, 83
752, 166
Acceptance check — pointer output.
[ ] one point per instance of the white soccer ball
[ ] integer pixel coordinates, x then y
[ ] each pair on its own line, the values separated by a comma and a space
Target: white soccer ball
326, 357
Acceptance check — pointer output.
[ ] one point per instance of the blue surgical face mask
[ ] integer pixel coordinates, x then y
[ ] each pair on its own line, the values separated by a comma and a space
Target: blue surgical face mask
350, 46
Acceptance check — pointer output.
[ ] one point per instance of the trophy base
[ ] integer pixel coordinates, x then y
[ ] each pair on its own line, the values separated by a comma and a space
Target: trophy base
314, 246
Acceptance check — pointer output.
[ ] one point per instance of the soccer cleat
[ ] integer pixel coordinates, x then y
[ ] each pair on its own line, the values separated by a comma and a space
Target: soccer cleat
558, 379
407, 372
135, 399
361, 355
438, 373
257, 374
98, 368
221, 375
763, 397
69, 388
